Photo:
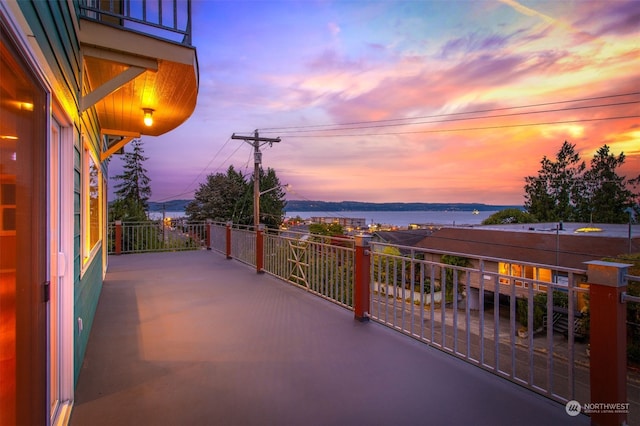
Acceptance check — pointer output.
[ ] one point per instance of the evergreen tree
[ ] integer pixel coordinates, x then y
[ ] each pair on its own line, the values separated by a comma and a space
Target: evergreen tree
272, 203
509, 216
133, 188
229, 197
551, 195
565, 190
222, 197
605, 197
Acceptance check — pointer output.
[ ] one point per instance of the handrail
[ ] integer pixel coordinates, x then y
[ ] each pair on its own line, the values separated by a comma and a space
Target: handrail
138, 16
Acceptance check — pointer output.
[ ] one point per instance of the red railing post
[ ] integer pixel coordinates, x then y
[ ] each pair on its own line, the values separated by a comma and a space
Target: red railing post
118, 242
259, 249
208, 232
228, 240
608, 340
361, 278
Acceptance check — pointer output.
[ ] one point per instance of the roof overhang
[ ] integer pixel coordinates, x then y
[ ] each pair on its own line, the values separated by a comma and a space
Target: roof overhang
126, 72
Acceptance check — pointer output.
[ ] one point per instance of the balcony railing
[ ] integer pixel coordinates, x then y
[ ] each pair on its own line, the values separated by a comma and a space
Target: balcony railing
322, 265
152, 236
532, 328
502, 323
166, 19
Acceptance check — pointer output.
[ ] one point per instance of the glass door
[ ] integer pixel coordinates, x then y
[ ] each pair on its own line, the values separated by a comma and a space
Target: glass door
23, 230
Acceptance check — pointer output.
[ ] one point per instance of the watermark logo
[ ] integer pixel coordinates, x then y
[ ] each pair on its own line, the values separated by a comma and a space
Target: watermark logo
573, 408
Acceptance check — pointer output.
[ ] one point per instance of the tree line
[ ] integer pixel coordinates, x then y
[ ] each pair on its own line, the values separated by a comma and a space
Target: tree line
565, 189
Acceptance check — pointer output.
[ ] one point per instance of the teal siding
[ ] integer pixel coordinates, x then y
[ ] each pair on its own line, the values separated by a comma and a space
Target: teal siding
86, 295
52, 25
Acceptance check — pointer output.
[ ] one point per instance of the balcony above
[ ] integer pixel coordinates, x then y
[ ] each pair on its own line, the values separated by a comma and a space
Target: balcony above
134, 62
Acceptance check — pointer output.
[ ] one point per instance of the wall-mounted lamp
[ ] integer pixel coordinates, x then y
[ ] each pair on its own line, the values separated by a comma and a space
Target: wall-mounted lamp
26, 106
148, 116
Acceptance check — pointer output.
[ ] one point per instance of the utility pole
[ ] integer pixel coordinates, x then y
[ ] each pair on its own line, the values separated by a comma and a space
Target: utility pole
256, 141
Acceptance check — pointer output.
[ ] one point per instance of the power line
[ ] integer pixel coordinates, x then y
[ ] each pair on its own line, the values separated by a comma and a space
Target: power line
256, 141
465, 129
189, 191
277, 129
484, 117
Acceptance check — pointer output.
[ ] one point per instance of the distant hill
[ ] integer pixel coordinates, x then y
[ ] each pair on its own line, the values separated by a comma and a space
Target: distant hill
331, 206
337, 206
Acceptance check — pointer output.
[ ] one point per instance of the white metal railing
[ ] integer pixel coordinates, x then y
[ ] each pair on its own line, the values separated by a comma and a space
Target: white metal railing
322, 265
521, 331
526, 322
142, 237
243, 245
219, 237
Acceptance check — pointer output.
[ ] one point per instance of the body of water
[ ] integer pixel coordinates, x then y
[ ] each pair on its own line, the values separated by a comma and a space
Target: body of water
405, 218
398, 218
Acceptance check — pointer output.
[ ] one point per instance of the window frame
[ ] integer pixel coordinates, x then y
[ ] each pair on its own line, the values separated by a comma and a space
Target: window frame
91, 247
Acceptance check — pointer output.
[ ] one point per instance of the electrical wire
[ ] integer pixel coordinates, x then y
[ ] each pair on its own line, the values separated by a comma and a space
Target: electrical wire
190, 191
465, 129
280, 129
513, 114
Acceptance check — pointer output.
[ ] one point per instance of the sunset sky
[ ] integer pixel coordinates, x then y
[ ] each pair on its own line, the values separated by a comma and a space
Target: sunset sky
411, 101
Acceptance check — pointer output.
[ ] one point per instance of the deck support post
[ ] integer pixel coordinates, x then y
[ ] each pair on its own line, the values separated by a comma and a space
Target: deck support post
118, 248
361, 279
260, 249
208, 232
228, 240
608, 340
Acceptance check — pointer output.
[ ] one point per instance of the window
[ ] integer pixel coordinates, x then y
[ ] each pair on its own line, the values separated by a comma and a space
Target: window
93, 204
509, 270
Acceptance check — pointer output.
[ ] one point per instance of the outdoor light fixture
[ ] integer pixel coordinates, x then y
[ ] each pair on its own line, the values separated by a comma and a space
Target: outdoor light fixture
148, 116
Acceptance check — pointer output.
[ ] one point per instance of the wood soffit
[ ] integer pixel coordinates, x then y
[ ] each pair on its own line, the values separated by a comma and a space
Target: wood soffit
122, 79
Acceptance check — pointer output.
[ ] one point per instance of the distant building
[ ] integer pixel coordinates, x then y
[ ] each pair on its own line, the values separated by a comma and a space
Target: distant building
510, 250
529, 254
406, 238
346, 222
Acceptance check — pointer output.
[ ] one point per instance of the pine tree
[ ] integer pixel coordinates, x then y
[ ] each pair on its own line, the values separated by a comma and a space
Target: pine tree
565, 190
133, 188
229, 197
272, 203
222, 197
606, 197
551, 195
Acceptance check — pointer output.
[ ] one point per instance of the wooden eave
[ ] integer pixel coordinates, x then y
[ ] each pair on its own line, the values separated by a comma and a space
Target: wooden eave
126, 72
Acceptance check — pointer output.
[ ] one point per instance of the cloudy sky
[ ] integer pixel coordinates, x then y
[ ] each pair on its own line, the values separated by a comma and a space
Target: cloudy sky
426, 101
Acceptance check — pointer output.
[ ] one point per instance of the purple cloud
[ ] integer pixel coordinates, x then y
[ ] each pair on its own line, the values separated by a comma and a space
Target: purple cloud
614, 18
474, 43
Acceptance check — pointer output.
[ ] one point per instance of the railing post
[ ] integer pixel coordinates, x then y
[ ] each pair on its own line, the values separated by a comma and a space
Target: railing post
208, 233
259, 249
228, 240
361, 278
118, 242
608, 340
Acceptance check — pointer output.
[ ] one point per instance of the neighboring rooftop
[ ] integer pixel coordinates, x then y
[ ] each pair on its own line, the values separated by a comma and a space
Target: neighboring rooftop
568, 228
537, 243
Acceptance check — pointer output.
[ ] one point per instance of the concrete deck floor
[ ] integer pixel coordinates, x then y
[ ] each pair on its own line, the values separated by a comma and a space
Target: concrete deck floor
191, 338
